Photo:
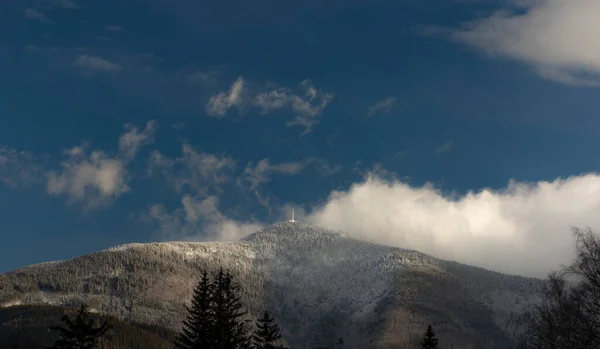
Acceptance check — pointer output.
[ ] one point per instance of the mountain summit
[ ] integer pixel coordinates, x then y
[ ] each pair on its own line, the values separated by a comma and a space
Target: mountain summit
319, 284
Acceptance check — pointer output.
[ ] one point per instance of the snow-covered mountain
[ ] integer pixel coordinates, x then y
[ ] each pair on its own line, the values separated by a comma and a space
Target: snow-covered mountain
320, 285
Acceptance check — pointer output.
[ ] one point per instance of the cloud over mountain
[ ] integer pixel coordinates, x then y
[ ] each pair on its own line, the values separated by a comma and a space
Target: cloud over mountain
522, 229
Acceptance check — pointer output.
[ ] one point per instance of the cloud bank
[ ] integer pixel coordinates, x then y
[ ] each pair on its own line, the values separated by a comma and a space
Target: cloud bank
521, 229
555, 37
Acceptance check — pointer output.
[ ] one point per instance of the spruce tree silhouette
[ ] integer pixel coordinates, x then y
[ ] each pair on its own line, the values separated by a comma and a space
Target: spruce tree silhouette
266, 332
429, 340
198, 328
215, 319
79, 333
230, 327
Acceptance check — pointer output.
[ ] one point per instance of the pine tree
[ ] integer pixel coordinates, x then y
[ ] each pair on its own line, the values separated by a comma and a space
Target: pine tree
429, 340
79, 333
198, 328
266, 332
231, 330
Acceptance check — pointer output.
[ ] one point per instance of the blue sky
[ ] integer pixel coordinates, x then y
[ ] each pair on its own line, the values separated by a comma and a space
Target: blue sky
464, 129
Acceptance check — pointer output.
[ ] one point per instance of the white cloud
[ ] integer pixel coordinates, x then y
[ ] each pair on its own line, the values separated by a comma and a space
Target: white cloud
19, 168
131, 141
219, 104
547, 34
197, 171
95, 178
307, 106
36, 15
521, 229
383, 106
95, 63
199, 219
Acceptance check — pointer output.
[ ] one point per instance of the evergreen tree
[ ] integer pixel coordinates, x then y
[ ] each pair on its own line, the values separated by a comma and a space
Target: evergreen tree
198, 329
215, 319
79, 333
231, 330
429, 340
266, 332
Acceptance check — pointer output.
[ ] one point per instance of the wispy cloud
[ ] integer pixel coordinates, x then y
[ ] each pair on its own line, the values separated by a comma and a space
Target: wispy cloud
19, 168
131, 141
200, 172
260, 173
95, 63
383, 106
306, 105
198, 177
198, 219
545, 34
446, 147
219, 104
255, 176
94, 178
36, 15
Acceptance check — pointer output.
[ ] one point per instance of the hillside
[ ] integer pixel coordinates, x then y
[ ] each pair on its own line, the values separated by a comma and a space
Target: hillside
26, 326
319, 284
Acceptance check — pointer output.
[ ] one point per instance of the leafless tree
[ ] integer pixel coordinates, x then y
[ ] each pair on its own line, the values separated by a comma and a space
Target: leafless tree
569, 316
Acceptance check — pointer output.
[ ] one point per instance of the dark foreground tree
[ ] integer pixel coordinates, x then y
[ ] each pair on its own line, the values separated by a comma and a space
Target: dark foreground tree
231, 329
266, 332
198, 329
79, 333
569, 316
215, 319
429, 339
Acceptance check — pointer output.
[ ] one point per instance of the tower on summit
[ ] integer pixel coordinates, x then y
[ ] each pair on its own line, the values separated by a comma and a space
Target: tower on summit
292, 220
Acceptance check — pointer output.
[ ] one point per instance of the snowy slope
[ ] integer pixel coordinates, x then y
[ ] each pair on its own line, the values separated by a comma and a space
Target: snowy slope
320, 284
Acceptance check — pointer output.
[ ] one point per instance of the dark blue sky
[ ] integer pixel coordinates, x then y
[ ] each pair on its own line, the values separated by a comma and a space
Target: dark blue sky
459, 114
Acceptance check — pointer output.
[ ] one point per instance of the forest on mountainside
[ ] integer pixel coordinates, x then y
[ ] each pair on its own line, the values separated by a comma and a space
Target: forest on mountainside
26, 326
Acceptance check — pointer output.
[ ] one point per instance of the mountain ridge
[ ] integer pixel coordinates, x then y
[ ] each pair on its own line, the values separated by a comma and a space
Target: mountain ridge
318, 282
